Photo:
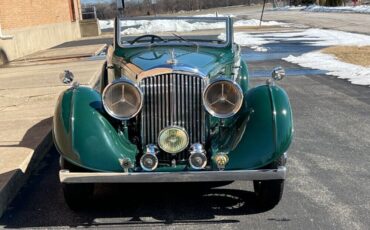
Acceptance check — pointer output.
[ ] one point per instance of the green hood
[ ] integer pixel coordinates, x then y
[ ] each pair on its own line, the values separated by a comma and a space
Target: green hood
209, 61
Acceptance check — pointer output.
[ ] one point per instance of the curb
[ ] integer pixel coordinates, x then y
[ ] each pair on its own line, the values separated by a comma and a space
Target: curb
17, 178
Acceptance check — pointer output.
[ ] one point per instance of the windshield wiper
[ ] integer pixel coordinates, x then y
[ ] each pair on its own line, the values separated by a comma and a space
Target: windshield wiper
186, 40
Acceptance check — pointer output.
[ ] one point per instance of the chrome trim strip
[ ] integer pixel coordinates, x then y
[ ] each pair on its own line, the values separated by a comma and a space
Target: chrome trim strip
169, 69
166, 177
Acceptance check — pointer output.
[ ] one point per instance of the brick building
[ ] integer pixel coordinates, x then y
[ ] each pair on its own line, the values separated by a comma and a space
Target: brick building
27, 26
26, 13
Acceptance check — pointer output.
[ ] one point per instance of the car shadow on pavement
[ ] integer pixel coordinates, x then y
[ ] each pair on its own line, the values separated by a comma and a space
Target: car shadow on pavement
41, 204
34, 135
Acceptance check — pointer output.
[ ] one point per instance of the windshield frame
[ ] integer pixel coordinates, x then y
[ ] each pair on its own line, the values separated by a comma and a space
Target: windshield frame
228, 31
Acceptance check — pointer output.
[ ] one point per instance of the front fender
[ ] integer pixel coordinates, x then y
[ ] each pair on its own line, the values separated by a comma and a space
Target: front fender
269, 128
84, 136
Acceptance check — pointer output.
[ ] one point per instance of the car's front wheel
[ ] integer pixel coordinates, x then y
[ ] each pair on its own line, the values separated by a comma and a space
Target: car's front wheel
77, 196
270, 192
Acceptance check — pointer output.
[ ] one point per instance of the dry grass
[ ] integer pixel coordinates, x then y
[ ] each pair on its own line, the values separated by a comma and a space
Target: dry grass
351, 54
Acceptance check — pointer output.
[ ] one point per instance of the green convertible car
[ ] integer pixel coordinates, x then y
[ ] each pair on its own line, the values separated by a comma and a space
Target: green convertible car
173, 104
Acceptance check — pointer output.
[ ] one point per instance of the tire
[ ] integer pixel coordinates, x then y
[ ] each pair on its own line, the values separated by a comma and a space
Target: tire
270, 192
77, 196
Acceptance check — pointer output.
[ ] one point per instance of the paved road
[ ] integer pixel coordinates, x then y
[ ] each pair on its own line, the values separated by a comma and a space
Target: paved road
327, 187
350, 22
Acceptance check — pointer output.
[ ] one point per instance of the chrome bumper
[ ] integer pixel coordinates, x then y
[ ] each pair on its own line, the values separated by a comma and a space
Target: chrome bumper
162, 177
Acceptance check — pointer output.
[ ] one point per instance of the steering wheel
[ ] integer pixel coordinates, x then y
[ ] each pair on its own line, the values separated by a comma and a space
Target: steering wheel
147, 36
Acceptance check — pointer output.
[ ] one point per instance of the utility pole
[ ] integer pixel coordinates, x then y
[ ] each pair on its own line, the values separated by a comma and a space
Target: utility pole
263, 9
121, 7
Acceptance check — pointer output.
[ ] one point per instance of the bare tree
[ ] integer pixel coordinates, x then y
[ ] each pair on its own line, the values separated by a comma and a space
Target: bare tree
107, 10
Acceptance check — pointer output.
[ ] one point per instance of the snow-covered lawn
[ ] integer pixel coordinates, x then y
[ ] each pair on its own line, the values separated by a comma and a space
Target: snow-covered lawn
364, 9
151, 26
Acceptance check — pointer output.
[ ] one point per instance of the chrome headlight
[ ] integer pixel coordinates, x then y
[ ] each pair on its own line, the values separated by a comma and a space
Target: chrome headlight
122, 99
223, 98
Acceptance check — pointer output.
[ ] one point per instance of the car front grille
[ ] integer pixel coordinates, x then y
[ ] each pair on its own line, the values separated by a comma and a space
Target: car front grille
172, 100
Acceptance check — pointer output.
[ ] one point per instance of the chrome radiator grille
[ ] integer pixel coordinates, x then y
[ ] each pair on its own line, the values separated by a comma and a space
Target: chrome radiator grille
172, 99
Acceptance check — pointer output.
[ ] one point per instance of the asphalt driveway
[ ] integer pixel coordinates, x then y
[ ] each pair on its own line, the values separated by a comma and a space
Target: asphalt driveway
327, 187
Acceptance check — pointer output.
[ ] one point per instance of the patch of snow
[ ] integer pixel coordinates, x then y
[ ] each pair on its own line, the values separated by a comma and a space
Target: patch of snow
151, 26
313, 37
339, 9
259, 48
256, 22
364, 9
106, 24
216, 14
356, 74
246, 39
163, 25
288, 8
320, 37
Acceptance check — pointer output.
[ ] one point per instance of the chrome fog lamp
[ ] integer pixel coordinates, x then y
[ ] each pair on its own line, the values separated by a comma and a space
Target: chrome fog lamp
223, 98
221, 160
173, 139
149, 160
122, 99
198, 158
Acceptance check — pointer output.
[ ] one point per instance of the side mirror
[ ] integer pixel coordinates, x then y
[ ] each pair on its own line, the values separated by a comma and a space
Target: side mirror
66, 77
278, 73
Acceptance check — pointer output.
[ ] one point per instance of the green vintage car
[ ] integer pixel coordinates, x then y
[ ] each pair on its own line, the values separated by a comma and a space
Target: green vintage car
173, 104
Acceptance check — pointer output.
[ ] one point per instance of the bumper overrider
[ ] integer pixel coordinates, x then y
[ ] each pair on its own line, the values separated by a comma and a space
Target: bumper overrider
163, 177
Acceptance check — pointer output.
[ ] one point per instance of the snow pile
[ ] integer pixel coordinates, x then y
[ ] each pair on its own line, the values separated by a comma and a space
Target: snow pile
181, 25
288, 8
215, 15
313, 37
364, 9
246, 39
256, 22
106, 24
320, 37
153, 26
339, 9
356, 74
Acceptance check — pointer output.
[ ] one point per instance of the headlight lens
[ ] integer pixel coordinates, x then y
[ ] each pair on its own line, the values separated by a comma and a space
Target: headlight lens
223, 98
173, 139
122, 99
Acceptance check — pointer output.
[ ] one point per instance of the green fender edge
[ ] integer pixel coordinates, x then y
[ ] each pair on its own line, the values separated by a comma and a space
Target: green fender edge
84, 136
264, 129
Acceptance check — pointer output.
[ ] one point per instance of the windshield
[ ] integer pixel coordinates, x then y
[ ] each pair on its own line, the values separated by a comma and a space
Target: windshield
197, 31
